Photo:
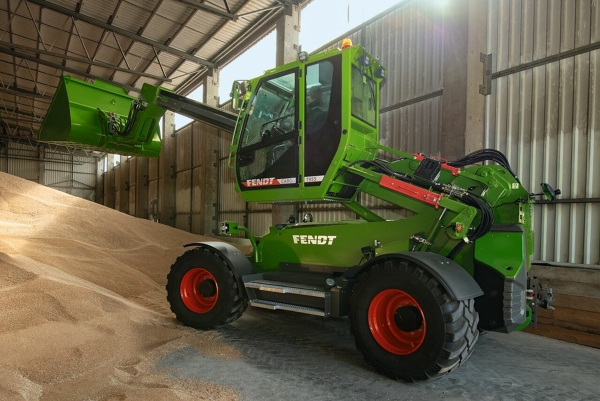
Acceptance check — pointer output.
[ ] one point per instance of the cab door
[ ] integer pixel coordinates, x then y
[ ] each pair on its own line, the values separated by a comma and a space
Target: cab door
322, 117
268, 151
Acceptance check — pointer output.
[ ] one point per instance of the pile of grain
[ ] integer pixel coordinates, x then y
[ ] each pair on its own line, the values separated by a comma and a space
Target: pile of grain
83, 313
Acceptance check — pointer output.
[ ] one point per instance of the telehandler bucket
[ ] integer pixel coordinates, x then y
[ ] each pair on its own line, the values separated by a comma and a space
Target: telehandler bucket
102, 116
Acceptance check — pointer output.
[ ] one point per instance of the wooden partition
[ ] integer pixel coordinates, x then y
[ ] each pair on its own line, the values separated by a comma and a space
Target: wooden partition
576, 317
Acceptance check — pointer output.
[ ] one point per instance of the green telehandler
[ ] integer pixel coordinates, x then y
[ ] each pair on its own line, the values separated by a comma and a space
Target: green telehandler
417, 290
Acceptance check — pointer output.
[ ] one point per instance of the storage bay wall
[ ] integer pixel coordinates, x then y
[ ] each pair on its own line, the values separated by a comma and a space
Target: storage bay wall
75, 174
544, 114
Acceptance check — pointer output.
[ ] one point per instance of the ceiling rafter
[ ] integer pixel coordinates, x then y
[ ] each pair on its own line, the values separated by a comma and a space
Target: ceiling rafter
52, 64
23, 92
244, 40
209, 9
12, 111
80, 60
105, 33
141, 31
122, 32
204, 42
181, 28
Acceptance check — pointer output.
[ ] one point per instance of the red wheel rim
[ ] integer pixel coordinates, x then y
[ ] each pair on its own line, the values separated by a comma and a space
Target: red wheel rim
382, 317
191, 294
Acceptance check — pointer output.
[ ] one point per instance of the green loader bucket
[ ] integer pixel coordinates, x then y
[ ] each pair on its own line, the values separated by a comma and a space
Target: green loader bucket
102, 116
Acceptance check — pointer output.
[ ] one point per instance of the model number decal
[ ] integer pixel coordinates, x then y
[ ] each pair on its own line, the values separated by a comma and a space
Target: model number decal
267, 182
314, 178
314, 239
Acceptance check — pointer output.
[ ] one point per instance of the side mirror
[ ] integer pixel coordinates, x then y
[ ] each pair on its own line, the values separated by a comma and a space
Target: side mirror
550, 192
235, 95
238, 93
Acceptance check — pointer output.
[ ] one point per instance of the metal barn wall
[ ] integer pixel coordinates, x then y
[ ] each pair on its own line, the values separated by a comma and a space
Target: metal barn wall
194, 159
66, 172
231, 206
546, 118
20, 160
409, 42
73, 174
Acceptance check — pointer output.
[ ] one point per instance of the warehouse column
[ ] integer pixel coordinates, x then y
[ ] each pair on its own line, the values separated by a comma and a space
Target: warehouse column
99, 195
288, 37
210, 158
42, 166
124, 185
109, 181
141, 187
465, 34
166, 192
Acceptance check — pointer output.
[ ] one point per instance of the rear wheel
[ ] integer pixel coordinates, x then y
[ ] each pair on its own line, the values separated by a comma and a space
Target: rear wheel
202, 290
406, 324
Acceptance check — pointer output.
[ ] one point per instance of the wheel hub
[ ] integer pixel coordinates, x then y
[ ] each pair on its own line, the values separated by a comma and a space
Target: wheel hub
207, 288
397, 322
199, 290
408, 318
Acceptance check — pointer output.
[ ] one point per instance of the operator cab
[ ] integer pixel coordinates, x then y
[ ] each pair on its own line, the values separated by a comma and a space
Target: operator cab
295, 126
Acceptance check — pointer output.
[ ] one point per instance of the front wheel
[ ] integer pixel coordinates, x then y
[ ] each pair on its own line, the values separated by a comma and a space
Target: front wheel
406, 324
202, 290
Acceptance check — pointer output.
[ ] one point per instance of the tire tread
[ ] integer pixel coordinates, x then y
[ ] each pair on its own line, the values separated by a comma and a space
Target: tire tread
460, 319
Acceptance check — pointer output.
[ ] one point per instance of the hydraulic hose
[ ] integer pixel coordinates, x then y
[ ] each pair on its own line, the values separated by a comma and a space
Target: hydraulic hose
485, 210
484, 155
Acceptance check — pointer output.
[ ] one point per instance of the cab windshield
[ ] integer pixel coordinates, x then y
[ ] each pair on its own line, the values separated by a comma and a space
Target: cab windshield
272, 111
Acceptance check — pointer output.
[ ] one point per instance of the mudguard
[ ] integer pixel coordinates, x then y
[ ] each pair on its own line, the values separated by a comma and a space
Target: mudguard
236, 260
459, 284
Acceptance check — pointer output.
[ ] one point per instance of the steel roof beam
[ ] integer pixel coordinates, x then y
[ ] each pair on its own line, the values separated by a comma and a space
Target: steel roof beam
25, 93
12, 111
240, 43
227, 14
182, 26
20, 120
227, 6
60, 67
82, 60
122, 32
30, 140
18, 129
212, 10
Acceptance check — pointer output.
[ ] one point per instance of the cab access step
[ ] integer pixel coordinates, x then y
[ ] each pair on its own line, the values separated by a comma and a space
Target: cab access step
268, 291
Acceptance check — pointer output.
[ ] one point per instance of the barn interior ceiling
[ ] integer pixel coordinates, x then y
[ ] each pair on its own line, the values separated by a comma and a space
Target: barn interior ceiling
173, 43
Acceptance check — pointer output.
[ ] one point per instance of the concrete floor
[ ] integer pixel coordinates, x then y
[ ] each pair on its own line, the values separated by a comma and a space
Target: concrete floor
289, 356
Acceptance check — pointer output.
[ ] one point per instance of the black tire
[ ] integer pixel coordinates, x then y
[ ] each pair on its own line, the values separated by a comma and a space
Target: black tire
446, 328
202, 290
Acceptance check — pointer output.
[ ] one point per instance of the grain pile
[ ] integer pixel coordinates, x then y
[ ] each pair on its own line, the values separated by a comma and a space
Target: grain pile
83, 314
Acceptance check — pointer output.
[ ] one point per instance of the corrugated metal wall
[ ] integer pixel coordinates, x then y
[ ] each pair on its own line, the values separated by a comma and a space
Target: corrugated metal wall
153, 186
73, 174
409, 42
546, 118
231, 206
184, 193
21, 160
194, 157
